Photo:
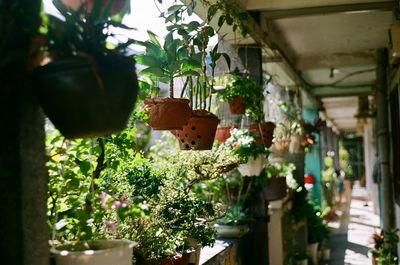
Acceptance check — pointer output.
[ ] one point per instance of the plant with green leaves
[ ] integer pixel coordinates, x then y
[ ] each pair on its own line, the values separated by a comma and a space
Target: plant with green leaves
385, 247
166, 62
241, 85
84, 32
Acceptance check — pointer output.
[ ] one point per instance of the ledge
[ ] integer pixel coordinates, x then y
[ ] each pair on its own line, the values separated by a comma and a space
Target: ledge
223, 252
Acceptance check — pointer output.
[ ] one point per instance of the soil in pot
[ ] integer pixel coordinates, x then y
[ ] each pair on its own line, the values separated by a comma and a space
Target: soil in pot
198, 133
83, 99
223, 133
266, 132
168, 113
98, 252
237, 106
276, 189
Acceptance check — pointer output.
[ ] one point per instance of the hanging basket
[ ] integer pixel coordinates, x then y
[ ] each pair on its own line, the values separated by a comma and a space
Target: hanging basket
168, 113
266, 132
296, 143
198, 133
85, 98
253, 167
276, 189
223, 133
105, 252
237, 106
279, 152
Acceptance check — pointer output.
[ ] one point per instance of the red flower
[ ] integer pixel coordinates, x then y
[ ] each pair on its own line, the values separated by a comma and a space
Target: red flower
234, 145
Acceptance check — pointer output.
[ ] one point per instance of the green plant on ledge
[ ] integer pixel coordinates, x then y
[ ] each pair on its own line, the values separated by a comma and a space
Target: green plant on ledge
385, 247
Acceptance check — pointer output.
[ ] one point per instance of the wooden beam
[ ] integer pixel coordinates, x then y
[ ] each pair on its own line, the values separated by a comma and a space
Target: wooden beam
322, 10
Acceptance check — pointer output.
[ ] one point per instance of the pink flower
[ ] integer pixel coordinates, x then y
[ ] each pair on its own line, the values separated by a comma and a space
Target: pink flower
111, 226
235, 145
104, 197
116, 205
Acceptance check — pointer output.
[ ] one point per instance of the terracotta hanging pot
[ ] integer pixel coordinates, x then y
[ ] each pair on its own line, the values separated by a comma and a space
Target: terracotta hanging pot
118, 5
266, 132
168, 113
237, 105
276, 189
87, 98
198, 133
223, 133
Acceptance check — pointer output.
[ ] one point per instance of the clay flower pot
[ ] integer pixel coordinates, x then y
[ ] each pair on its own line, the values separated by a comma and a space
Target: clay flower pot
168, 113
179, 259
266, 132
118, 5
198, 133
276, 189
223, 133
237, 105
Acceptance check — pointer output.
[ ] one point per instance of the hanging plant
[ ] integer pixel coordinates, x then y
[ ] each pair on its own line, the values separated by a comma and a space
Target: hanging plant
164, 64
199, 131
88, 90
240, 92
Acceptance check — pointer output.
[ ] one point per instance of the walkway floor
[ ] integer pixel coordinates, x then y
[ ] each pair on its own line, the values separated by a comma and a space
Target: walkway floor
351, 233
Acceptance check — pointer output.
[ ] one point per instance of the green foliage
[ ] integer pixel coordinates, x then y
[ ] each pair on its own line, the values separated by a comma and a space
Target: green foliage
243, 143
241, 85
236, 214
83, 32
385, 247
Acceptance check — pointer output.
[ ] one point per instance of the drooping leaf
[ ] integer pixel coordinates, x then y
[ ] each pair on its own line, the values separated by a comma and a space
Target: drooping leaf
221, 21
148, 60
227, 59
153, 38
153, 71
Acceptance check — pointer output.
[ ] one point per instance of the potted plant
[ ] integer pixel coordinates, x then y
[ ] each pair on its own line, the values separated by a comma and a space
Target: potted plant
240, 92
277, 176
317, 232
164, 64
199, 132
243, 143
87, 90
385, 247
256, 112
223, 133
82, 217
235, 222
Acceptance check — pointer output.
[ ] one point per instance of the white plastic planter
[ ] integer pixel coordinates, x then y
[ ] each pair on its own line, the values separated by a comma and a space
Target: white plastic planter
115, 252
231, 231
253, 167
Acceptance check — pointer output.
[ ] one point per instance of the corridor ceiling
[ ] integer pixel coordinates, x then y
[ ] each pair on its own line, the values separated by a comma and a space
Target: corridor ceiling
326, 46
332, 44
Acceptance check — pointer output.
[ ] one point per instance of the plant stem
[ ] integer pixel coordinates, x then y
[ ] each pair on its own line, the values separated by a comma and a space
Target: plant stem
171, 88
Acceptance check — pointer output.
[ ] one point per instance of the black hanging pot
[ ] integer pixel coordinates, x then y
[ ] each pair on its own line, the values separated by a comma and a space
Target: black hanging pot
86, 97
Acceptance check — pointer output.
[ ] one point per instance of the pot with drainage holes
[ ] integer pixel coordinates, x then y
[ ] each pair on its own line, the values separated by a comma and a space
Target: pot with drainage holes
198, 132
266, 132
237, 105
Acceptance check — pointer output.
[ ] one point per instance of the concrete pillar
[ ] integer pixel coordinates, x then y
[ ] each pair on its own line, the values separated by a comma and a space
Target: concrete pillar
369, 161
383, 140
275, 237
23, 177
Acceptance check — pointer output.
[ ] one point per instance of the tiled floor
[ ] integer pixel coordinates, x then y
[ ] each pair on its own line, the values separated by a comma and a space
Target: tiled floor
350, 234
